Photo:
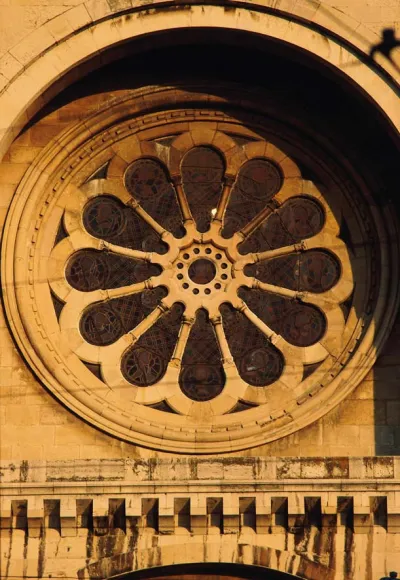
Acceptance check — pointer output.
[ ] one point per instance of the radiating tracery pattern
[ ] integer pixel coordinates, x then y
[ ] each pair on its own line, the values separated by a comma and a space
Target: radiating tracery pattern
220, 290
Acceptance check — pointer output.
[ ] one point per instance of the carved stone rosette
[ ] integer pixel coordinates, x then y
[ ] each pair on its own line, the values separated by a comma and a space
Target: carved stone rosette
173, 278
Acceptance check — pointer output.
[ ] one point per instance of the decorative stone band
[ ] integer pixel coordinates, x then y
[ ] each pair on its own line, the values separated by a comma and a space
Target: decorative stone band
203, 513
226, 495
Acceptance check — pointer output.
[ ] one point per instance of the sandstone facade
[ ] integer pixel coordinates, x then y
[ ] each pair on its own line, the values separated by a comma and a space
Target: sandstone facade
308, 488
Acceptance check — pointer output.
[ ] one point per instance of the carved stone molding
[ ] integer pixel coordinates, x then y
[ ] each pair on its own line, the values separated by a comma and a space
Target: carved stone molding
137, 219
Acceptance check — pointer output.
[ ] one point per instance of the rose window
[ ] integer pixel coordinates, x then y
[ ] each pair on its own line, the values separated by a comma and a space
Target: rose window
182, 282
216, 275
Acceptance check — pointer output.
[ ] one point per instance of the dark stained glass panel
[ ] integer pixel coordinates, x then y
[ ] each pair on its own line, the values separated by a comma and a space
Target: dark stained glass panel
257, 183
106, 218
313, 271
146, 361
202, 376
148, 182
299, 218
258, 362
298, 323
90, 270
104, 323
202, 173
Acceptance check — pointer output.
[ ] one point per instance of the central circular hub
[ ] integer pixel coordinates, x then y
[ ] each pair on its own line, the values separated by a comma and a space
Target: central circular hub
202, 271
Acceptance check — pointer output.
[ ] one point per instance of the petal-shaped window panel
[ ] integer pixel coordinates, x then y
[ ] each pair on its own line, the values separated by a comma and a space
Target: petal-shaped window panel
313, 271
102, 324
298, 219
145, 363
90, 270
257, 183
259, 363
202, 173
105, 217
300, 324
148, 182
202, 377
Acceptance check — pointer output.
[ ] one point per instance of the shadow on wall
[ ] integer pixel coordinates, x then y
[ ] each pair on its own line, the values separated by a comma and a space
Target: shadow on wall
386, 47
386, 393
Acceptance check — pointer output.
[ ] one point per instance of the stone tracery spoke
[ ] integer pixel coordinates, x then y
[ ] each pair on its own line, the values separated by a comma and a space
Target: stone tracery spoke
223, 200
276, 253
264, 328
258, 219
127, 252
183, 201
227, 358
186, 326
320, 300
154, 224
149, 321
99, 296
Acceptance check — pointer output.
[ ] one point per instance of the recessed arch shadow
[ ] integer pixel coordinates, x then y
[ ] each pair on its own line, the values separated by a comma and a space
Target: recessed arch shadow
207, 571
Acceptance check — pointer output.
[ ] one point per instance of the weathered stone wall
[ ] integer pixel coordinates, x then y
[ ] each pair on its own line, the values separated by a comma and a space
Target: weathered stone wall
75, 498
368, 422
102, 517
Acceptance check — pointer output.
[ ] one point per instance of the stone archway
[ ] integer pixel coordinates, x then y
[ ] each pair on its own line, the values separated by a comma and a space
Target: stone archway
138, 563
48, 56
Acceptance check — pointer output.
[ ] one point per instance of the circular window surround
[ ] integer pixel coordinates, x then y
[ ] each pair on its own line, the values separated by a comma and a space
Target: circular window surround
29, 237
46, 67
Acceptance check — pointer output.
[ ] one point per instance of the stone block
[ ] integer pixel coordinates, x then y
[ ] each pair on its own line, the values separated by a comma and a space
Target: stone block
5, 513
35, 517
210, 469
166, 524
379, 467
361, 412
198, 524
238, 469
393, 523
231, 523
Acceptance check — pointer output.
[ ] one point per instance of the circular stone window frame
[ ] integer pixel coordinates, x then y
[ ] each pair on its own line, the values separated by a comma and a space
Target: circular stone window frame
55, 364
